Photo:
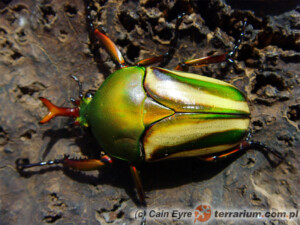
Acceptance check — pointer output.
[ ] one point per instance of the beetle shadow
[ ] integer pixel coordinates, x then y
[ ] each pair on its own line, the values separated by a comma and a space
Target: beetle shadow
55, 136
171, 173
83, 139
159, 175
154, 176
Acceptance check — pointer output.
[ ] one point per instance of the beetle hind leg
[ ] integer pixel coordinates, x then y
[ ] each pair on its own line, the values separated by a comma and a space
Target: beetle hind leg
262, 147
138, 184
245, 145
212, 158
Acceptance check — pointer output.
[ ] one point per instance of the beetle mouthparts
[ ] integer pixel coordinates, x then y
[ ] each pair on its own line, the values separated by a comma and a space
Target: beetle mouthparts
58, 111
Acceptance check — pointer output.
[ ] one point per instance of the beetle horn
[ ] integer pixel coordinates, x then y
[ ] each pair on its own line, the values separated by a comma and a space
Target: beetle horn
57, 111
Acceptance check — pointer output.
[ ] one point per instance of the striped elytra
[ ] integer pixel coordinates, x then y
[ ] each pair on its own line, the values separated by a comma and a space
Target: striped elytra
153, 114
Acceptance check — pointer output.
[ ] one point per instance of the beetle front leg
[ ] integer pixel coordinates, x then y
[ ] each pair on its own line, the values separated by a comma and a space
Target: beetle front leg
107, 44
138, 184
111, 48
79, 164
58, 111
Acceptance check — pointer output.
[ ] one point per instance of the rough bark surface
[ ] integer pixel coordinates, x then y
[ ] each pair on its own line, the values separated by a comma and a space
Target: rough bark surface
43, 42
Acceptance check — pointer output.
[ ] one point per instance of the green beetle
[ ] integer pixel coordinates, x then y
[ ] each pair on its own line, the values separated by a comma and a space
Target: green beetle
154, 105
143, 113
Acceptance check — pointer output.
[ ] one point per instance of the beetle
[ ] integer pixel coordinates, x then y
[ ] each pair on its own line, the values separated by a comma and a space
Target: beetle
143, 113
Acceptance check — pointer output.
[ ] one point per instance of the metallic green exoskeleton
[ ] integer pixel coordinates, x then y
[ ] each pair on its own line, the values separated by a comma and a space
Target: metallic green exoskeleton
152, 114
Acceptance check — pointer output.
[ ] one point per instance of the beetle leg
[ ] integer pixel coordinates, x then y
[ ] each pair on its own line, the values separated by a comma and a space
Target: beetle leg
216, 157
138, 184
79, 164
164, 58
245, 145
152, 60
230, 55
86, 164
58, 111
204, 61
262, 147
108, 44
111, 48
62, 111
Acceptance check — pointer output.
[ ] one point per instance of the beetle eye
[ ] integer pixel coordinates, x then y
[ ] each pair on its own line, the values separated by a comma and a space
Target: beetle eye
88, 95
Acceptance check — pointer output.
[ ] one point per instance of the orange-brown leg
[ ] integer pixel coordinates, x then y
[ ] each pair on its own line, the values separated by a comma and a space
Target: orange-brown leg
204, 61
152, 60
79, 164
216, 157
138, 184
58, 111
245, 145
63, 111
111, 48
105, 41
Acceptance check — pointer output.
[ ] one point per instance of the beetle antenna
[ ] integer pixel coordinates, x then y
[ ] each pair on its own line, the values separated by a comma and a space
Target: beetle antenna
79, 85
231, 54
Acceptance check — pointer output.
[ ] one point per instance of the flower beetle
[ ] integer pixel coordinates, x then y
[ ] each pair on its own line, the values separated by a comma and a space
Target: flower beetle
146, 114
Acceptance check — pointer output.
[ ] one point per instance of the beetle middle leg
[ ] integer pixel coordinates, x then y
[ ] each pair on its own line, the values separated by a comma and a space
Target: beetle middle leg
84, 165
164, 58
79, 164
204, 61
